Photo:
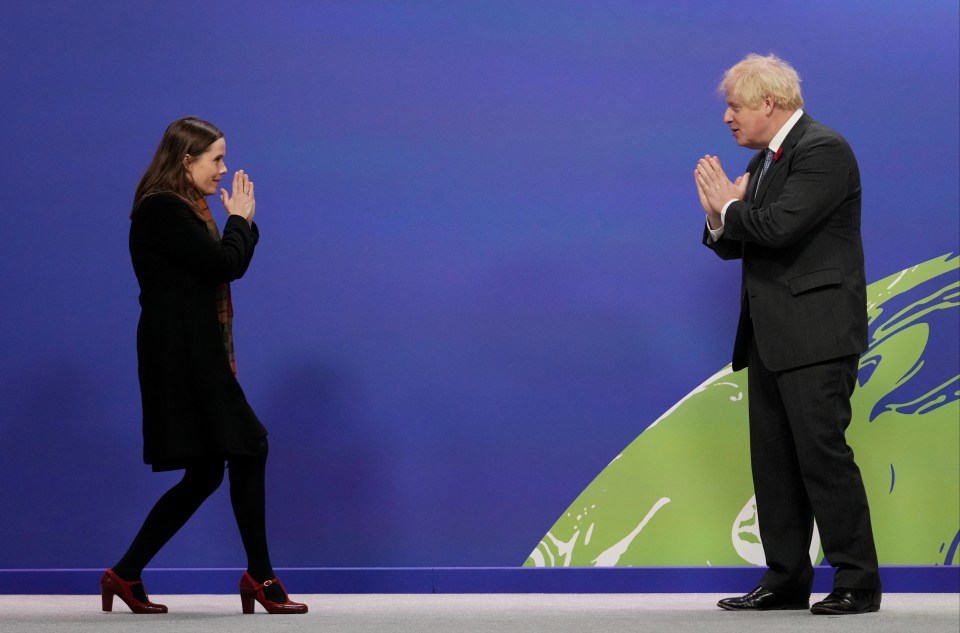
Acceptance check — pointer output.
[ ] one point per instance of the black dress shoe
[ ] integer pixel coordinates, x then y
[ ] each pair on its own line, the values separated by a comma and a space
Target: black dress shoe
843, 601
761, 599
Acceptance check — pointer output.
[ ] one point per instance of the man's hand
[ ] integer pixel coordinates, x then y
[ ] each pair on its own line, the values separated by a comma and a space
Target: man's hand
715, 189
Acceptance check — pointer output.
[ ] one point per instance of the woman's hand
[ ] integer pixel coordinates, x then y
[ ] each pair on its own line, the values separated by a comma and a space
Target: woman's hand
242, 202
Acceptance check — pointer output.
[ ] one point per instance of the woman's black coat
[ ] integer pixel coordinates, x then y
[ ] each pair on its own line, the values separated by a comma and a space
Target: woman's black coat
193, 406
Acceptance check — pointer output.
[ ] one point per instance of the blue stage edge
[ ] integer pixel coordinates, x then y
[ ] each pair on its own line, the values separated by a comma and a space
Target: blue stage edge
934, 579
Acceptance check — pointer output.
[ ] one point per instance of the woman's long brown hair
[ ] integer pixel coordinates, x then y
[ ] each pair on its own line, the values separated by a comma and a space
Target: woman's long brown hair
166, 172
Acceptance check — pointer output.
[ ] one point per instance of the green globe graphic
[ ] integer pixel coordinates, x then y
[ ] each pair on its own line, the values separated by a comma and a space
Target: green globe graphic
681, 493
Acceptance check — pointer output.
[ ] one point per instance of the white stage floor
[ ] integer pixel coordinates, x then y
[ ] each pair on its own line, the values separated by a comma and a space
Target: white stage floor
486, 613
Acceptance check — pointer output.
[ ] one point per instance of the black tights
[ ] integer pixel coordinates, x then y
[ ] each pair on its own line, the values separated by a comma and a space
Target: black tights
177, 505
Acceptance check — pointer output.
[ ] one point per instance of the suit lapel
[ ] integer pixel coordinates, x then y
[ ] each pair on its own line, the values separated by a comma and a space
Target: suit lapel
754, 167
785, 150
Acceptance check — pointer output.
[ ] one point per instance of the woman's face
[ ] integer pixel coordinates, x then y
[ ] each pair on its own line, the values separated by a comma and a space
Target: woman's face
205, 171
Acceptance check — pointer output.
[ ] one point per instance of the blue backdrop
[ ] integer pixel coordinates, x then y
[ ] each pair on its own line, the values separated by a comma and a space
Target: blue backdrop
480, 273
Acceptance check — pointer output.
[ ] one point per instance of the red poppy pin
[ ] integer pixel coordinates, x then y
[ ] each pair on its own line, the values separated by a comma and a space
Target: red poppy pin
777, 155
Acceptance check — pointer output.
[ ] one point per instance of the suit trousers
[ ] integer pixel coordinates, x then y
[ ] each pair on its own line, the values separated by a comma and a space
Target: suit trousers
803, 469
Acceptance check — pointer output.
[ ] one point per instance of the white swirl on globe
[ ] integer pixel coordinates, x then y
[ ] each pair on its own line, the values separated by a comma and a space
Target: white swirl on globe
745, 536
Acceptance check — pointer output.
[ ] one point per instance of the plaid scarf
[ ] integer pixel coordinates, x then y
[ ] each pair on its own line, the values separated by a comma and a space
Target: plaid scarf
224, 304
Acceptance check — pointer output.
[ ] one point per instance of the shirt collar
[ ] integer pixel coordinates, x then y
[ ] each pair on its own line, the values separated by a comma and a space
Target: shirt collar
780, 136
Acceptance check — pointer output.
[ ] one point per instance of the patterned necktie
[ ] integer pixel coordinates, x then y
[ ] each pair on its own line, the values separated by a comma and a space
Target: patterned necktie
767, 159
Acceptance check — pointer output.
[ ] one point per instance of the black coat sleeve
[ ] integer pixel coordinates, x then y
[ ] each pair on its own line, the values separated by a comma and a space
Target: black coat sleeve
166, 225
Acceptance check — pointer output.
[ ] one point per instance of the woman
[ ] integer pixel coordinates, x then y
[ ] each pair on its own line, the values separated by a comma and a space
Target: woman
195, 416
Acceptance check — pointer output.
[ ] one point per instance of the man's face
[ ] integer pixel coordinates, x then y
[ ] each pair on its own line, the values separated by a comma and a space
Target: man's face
750, 125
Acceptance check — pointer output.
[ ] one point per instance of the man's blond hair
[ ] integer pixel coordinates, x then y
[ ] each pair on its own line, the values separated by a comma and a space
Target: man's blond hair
756, 77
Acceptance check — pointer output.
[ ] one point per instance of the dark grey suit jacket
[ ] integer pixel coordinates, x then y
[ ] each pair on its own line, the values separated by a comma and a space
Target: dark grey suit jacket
803, 294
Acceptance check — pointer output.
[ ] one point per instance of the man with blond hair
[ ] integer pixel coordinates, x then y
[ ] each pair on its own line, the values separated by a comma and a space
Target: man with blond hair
793, 219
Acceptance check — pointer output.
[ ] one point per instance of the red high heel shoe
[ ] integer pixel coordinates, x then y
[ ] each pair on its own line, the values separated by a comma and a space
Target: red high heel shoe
113, 585
251, 590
